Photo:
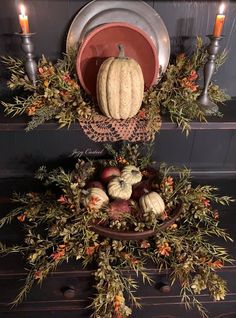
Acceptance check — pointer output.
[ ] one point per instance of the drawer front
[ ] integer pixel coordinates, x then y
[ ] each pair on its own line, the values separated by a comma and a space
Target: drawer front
55, 289
72, 291
225, 309
173, 310
79, 313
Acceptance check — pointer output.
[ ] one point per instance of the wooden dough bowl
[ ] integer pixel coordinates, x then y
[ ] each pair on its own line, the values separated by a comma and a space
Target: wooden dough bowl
128, 235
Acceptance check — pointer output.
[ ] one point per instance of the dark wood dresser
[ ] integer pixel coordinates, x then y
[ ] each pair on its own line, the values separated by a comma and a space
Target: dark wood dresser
209, 151
66, 293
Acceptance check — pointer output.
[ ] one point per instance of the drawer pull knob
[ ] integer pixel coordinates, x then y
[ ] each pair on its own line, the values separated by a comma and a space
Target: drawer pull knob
68, 292
165, 288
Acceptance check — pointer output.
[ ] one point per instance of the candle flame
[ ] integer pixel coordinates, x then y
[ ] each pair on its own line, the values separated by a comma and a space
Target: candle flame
222, 8
22, 10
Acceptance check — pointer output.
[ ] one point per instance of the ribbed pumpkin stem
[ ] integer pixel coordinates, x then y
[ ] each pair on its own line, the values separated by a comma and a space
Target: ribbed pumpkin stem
121, 51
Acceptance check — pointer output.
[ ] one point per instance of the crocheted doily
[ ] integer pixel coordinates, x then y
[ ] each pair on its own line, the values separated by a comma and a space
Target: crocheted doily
100, 128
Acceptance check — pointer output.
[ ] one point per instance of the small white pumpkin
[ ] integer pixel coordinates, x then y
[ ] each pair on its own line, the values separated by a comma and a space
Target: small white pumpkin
131, 174
152, 202
95, 199
119, 189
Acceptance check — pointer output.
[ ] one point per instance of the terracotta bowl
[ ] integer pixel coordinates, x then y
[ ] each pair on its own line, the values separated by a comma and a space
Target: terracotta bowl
102, 42
126, 235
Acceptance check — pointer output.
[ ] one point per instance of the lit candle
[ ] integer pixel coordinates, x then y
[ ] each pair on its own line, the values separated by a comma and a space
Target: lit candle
219, 23
23, 18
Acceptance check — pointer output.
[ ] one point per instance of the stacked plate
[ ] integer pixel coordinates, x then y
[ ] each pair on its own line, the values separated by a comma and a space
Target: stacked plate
102, 24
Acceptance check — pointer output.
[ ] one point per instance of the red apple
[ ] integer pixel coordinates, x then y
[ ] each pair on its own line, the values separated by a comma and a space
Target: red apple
94, 184
118, 208
108, 173
140, 189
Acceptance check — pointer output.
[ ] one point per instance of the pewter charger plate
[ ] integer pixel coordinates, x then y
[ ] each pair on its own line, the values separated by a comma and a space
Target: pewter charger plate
138, 13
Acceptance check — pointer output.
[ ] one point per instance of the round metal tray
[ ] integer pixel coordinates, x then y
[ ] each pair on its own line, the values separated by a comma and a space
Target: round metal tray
105, 39
138, 13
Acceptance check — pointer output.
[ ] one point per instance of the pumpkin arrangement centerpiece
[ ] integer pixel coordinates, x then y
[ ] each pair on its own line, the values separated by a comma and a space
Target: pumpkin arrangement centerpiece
121, 213
126, 193
120, 86
115, 96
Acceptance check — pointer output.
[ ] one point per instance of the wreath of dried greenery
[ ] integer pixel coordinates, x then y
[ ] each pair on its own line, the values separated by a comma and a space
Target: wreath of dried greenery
57, 228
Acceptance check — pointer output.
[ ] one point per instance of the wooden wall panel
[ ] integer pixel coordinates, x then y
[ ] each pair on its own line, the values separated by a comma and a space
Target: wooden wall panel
172, 147
50, 19
210, 148
230, 160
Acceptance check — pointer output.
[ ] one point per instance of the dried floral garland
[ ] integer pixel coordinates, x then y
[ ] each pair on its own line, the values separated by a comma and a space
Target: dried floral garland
183, 248
58, 95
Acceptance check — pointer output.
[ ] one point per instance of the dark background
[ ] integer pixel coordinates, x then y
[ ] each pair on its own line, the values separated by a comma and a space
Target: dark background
210, 152
204, 150
50, 19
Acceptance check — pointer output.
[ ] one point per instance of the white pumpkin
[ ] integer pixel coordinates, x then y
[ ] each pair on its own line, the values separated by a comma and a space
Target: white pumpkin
152, 202
131, 174
95, 199
119, 189
120, 86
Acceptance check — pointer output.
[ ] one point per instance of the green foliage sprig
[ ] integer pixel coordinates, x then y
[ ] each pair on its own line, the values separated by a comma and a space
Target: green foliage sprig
177, 92
57, 228
58, 95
